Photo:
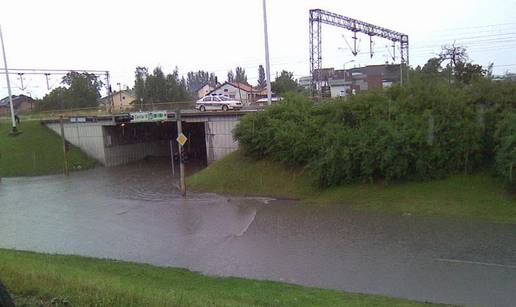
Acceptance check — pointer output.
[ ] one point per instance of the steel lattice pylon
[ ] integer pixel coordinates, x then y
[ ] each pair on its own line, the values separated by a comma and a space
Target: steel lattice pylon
319, 17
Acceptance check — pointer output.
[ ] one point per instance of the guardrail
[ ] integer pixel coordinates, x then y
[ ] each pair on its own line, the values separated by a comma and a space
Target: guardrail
99, 111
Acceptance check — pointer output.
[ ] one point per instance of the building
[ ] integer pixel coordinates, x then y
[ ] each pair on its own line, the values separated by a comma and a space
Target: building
122, 100
21, 104
205, 89
239, 91
305, 82
337, 83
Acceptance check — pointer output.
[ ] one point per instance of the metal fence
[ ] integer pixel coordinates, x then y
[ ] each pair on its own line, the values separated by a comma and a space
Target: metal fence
99, 111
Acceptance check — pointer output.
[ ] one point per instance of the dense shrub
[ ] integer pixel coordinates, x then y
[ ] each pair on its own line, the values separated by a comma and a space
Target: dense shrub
506, 150
418, 132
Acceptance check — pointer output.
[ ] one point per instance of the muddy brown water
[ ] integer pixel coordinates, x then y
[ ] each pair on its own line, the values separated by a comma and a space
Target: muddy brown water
135, 213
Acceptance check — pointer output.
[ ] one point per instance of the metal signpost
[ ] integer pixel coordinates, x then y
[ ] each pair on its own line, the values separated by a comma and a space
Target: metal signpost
65, 147
172, 159
181, 140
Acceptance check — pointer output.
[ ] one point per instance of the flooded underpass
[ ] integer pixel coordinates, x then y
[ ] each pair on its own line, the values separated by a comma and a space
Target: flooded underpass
135, 213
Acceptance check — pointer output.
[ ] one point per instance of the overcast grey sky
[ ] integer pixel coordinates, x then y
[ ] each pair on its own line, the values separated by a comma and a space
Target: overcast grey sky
219, 35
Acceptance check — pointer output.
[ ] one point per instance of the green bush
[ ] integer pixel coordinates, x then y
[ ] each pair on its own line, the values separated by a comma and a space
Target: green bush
418, 132
506, 152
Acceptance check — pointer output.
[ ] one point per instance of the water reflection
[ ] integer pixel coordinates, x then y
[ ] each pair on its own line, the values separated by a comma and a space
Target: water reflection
135, 213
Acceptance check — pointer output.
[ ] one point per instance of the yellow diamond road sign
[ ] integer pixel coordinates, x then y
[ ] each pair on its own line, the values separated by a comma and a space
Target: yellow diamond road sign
181, 139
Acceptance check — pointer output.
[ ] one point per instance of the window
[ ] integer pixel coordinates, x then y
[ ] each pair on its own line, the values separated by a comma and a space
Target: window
206, 99
216, 99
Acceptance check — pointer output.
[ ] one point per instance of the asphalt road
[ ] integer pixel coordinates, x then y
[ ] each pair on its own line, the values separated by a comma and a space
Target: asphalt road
133, 213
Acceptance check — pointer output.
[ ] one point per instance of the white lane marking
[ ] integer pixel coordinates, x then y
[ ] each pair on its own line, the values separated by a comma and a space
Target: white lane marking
476, 263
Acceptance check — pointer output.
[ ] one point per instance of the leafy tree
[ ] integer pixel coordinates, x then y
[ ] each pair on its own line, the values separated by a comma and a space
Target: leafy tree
141, 75
156, 86
262, 82
58, 98
468, 72
284, 83
240, 75
197, 79
81, 90
176, 88
458, 68
231, 76
433, 66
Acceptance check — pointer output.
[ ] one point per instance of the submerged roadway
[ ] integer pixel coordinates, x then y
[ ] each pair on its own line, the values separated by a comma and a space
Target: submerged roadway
133, 213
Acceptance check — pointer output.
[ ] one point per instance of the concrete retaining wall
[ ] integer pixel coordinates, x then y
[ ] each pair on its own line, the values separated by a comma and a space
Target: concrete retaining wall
219, 137
89, 137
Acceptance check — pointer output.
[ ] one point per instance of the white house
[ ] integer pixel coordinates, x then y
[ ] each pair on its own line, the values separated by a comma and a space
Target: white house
305, 82
239, 91
204, 90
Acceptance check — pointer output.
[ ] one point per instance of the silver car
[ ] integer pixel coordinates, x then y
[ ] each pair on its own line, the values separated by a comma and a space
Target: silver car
217, 102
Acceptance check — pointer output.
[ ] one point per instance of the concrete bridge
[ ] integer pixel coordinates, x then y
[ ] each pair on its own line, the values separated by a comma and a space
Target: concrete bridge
116, 140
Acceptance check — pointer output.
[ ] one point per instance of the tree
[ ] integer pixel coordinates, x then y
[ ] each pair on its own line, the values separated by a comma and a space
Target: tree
197, 79
433, 66
84, 89
156, 86
454, 54
240, 75
176, 88
81, 90
284, 83
231, 76
466, 73
262, 82
140, 75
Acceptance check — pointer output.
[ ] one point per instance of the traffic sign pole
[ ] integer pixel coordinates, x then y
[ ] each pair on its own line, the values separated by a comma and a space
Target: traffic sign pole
181, 142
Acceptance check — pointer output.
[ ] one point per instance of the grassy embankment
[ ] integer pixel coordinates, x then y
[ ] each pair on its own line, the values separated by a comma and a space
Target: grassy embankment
81, 281
477, 196
37, 151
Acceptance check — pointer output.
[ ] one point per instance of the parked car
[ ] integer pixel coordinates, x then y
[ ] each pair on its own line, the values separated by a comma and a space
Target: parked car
265, 100
217, 102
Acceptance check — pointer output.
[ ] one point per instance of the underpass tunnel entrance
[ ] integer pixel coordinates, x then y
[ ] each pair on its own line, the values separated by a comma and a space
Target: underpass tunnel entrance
195, 147
130, 142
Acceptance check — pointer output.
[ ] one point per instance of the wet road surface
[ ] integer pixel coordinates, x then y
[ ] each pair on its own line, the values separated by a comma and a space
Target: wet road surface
133, 213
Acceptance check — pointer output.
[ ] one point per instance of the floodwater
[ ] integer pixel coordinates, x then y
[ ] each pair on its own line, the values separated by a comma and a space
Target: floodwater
135, 213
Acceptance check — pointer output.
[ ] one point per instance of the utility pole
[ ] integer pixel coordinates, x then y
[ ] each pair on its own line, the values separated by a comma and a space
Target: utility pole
46, 77
119, 95
181, 155
267, 61
110, 97
65, 149
13, 120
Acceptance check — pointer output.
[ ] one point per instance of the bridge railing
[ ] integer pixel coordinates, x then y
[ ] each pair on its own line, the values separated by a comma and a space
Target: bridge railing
98, 111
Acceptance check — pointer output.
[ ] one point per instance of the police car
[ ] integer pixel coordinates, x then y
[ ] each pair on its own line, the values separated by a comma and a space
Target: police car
217, 102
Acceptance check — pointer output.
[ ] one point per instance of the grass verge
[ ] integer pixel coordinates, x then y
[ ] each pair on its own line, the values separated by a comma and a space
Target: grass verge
477, 196
36, 151
81, 281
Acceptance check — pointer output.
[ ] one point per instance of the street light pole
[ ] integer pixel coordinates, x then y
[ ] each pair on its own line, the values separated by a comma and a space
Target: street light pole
267, 61
344, 68
14, 129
